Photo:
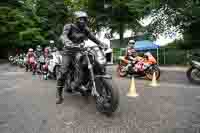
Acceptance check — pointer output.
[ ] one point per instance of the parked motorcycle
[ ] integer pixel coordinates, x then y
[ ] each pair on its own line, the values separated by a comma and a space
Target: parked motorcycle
138, 69
54, 63
98, 84
193, 73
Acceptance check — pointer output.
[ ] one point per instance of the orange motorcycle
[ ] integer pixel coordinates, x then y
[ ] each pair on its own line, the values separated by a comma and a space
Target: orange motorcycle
141, 67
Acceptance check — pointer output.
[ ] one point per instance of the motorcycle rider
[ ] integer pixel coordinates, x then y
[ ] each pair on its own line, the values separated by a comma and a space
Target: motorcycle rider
38, 54
30, 54
131, 54
73, 34
38, 51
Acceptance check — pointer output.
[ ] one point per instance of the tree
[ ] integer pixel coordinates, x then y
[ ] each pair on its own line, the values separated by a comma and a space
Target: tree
119, 15
184, 15
30, 22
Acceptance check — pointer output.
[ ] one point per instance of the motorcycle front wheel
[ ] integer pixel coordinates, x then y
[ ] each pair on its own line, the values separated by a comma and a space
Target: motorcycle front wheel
149, 73
193, 75
108, 100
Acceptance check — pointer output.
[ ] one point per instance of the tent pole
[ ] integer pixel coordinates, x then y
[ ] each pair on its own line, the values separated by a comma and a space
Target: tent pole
157, 56
164, 57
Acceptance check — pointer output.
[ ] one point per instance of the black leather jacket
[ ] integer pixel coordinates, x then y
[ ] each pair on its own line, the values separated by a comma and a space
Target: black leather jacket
72, 35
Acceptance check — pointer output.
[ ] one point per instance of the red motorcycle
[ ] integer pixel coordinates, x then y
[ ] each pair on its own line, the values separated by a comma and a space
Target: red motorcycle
45, 71
143, 67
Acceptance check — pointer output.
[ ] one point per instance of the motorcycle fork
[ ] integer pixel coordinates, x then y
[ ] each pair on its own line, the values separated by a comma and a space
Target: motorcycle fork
94, 89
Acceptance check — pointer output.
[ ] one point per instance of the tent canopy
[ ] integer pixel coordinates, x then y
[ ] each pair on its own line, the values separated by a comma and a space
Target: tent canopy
145, 45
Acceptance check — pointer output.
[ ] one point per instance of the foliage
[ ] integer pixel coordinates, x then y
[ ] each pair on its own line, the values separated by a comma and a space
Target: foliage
25, 23
119, 15
30, 22
184, 15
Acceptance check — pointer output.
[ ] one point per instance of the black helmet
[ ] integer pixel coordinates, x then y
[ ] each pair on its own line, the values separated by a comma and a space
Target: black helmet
81, 18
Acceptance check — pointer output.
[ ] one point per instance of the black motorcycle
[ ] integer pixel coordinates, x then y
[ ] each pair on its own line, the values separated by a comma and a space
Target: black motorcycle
193, 73
41, 67
98, 83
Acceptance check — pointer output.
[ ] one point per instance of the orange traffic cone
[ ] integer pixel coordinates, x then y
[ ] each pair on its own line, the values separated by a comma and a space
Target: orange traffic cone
154, 81
132, 90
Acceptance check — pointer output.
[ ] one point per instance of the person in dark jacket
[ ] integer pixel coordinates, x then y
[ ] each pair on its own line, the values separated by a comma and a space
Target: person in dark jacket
73, 35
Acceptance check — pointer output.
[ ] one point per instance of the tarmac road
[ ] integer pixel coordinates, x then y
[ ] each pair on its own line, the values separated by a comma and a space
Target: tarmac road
27, 105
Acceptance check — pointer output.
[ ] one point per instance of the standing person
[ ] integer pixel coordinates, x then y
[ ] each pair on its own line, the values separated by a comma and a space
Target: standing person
73, 35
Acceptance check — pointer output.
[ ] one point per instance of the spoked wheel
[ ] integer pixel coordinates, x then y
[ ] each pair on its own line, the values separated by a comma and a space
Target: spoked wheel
108, 100
151, 71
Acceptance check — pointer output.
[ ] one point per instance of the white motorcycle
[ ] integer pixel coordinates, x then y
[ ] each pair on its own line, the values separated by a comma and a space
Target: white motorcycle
54, 63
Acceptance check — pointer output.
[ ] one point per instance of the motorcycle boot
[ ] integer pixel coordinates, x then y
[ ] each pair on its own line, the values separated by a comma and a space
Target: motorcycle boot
26, 67
34, 69
34, 72
59, 98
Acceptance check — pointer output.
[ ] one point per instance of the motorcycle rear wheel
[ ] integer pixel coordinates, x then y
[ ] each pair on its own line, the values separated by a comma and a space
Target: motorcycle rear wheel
149, 73
190, 73
108, 101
